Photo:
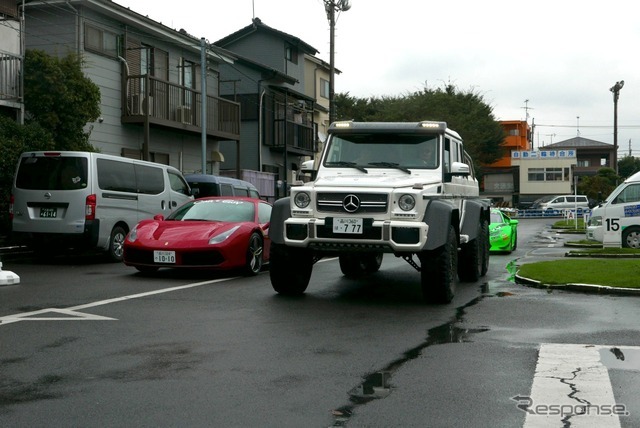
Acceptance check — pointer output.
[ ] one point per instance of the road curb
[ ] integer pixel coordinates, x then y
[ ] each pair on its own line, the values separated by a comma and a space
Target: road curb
586, 288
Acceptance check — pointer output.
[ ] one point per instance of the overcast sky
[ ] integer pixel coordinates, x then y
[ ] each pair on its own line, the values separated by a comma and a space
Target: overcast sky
563, 56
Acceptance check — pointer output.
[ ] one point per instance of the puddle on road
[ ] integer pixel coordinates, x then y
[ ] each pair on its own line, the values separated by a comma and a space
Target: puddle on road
620, 358
377, 385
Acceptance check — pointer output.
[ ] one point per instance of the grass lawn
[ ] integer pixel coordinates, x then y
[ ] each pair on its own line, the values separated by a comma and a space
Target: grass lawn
610, 272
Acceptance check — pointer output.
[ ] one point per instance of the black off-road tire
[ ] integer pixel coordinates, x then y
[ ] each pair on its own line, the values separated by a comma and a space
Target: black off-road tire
358, 264
289, 269
486, 247
372, 262
471, 259
439, 270
350, 266
468, 259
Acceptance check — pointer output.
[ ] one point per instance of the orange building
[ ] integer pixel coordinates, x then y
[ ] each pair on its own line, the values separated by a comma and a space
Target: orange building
517, 138
500, 181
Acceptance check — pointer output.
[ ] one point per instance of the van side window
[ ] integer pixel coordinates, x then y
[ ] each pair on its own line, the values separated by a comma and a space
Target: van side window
149, 180
226, 189
254, 194
116, 176
630, 194
178, 184
239, 191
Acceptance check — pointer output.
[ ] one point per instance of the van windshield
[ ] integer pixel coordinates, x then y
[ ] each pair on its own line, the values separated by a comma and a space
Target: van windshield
52, 173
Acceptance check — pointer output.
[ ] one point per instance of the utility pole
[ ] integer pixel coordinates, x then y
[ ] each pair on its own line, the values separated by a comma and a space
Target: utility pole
203, 105
331, 7
615, 89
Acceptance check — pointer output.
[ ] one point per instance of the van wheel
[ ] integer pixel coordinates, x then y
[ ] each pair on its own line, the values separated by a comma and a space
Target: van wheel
255, 252
631, 237
116, 243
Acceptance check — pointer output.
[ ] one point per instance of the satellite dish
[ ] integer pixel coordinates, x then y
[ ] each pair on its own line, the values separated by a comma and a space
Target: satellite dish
344, 5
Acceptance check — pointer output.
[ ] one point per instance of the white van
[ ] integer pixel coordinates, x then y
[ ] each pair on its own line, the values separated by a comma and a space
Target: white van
618, 217
86, 200
565, 202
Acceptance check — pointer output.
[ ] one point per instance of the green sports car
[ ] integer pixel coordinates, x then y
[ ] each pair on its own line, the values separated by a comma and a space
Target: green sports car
503, 231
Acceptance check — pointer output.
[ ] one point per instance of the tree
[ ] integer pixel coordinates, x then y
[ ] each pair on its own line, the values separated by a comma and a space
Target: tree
60, 98
627, 166
465, 112
599, 186
59, 102
15, 139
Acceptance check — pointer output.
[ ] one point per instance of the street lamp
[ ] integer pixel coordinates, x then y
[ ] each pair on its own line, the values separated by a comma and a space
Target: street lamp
331, 7
616, 94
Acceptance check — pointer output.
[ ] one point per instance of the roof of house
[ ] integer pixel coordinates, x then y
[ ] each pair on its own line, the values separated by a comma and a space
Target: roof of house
257, 25
576, 142
130, 17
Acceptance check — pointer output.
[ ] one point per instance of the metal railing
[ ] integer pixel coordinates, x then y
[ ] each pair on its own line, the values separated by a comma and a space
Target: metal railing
10, 67
174, 105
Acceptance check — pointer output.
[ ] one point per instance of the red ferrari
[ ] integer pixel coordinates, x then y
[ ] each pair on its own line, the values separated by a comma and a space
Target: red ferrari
207, 233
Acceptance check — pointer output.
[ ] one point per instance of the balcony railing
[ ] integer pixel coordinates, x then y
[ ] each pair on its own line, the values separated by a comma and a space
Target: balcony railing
10, 66
298, 137
176, 106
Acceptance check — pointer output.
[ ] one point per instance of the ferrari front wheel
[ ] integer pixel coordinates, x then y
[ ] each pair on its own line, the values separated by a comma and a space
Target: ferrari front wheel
255, 252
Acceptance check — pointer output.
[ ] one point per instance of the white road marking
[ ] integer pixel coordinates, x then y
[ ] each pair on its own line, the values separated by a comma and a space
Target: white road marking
571, 387
73, 314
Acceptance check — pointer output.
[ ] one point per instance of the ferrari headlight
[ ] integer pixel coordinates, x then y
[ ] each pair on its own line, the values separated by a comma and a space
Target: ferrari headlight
406, 202
223, 236
133, 235
302, 199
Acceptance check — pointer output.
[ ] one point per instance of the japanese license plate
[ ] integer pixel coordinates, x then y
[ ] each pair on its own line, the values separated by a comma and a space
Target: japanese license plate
164, 256
48, 212
347, 225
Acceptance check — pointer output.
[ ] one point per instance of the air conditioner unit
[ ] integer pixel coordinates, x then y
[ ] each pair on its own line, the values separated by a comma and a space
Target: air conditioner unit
139, 105
183, 114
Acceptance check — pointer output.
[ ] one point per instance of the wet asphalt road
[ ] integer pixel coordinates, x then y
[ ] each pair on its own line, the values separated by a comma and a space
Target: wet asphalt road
89, 343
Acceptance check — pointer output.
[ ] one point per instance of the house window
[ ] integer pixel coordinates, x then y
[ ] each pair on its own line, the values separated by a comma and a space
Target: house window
553, 174
291, 54
188, 74
514, 132
100, 41
536, 174
583, 162
324, 88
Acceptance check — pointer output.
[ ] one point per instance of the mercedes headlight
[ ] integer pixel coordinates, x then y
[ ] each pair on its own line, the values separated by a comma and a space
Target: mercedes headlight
407, 202
302, 199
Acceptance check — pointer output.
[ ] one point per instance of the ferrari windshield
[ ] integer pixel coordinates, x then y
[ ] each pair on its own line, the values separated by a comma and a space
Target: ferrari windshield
228, 210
